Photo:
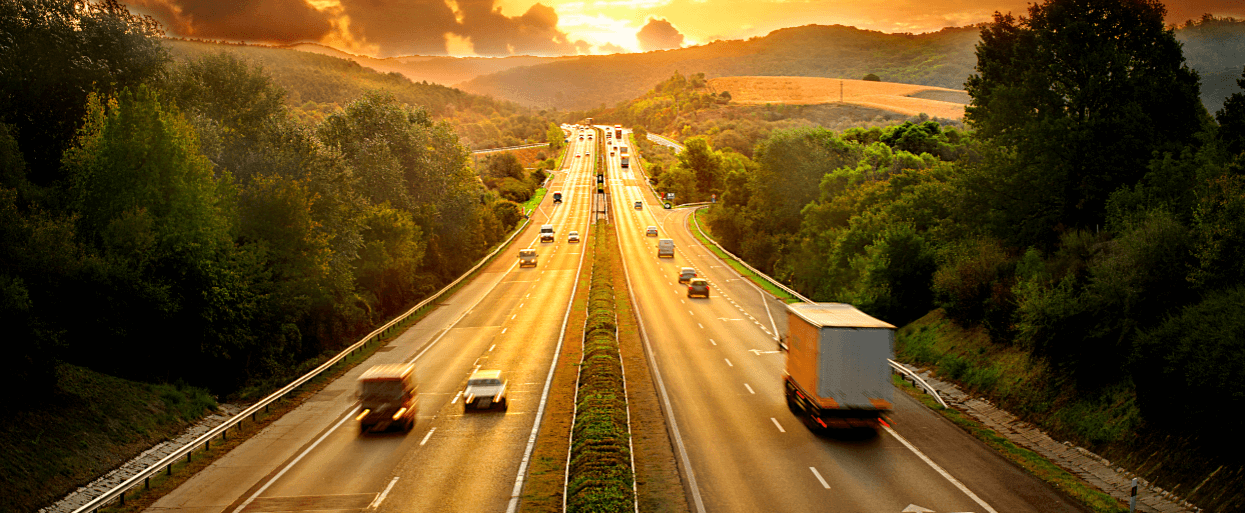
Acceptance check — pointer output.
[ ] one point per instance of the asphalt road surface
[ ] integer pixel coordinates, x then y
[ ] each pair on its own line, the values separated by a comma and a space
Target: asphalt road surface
719, 368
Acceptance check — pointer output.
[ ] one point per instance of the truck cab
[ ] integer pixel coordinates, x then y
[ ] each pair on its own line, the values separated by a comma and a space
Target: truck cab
546, 233
388, 398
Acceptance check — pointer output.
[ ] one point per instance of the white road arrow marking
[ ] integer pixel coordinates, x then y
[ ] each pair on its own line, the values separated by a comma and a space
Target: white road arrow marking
913, 508
728, 319
759, 352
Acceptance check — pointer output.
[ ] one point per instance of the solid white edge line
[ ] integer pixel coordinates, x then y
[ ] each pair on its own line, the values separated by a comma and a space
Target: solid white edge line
262, 489
661, 386
381, 498
939, 469
517, 491
777, 425
819, 478
429, 435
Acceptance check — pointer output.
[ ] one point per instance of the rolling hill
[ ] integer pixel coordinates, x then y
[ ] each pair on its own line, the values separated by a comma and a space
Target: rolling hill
1213, 47
901, 98
319, 83
941, 59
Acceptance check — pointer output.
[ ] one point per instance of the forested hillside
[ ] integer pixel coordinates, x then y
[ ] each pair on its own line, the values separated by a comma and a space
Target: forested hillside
943, 59
164, 211
319, 85
1087, 227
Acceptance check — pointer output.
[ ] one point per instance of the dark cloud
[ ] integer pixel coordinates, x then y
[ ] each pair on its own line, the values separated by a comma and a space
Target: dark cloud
659, 35
394, 27
493, 33
401, 27
277, 21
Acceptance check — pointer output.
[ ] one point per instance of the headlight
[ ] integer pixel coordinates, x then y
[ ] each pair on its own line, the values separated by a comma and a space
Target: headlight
362, 415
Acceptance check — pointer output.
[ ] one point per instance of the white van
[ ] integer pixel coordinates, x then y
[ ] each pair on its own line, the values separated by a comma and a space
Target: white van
665, 248
546, 233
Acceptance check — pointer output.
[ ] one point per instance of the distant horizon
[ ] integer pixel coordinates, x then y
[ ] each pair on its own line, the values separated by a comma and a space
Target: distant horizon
564, 28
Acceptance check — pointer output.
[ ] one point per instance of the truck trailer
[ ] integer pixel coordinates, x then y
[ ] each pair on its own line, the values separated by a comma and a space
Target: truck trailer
837, 374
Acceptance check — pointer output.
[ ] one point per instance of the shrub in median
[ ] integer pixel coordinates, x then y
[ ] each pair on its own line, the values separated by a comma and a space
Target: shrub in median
600, 476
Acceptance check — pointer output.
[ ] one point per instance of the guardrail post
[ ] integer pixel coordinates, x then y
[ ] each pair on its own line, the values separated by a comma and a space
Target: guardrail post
146, 483
169, 469
122, 496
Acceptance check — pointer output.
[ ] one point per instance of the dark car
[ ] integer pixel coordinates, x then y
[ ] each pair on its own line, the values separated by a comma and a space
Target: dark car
698, 287
686, 274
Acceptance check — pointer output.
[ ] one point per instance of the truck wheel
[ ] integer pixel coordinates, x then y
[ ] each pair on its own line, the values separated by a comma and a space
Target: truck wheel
504, 405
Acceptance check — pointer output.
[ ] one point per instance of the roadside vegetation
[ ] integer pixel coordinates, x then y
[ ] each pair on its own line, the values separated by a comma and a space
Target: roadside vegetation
1087, 239
173, 222
600, 476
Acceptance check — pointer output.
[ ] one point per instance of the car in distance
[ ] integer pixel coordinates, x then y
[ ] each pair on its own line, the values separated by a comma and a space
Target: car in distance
639, 205
650, 231
546, 233
557, 196
665, 248
527, 257
686, 274
698, 287
485, 390
572, 237
388, 397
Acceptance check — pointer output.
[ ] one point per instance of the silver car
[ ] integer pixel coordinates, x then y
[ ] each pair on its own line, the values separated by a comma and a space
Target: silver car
485, 390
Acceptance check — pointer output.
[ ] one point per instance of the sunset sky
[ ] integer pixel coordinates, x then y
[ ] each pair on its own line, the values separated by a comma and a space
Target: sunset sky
386, 28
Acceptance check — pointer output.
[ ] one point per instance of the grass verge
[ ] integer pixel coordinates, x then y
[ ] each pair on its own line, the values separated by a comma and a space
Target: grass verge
1032, 462
735, 264
599, 477
91, 424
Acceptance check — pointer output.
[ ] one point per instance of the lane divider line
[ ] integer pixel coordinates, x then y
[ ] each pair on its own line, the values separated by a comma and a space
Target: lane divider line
429, 435
381, 498
777, 425
819, 478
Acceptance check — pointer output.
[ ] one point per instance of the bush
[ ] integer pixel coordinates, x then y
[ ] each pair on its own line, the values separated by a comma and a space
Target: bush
514, 190
872, 78
974, 286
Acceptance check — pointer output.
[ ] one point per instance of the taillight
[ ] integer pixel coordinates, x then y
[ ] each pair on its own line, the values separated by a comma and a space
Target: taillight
398, 415
362, 415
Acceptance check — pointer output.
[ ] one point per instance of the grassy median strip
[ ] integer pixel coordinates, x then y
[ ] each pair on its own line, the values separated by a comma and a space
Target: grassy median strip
600, 476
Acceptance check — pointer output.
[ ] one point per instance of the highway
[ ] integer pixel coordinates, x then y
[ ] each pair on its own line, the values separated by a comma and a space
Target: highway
746, 451
740, 448
507, 317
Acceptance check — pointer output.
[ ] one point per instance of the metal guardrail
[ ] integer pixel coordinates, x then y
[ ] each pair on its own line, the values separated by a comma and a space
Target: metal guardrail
508, 148
909, 375
166, 464
745, 264
916, 380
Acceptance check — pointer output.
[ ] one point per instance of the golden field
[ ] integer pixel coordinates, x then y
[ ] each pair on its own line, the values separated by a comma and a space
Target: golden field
902, 98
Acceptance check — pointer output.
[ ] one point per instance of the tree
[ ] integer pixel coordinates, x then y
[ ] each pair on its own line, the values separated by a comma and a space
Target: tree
53, 53
704, 163
1079, 95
